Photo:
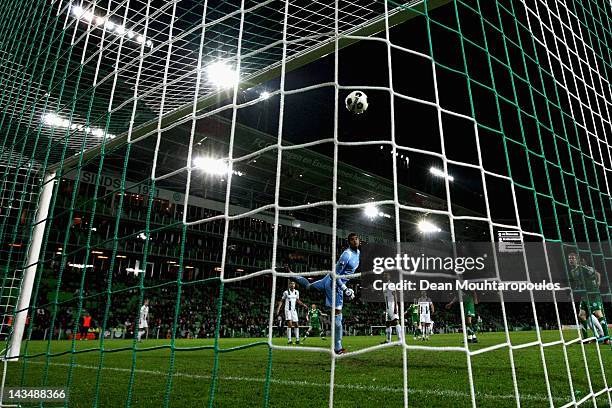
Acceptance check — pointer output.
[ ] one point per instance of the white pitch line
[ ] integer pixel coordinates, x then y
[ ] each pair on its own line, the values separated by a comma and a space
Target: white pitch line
354, 387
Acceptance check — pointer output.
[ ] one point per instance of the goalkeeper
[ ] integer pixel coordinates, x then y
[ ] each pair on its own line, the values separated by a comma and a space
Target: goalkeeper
347, 264
585, 280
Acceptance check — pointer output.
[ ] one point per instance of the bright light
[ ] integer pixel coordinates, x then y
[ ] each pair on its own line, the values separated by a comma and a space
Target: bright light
54, 120
427, 227
80, 266
142, 235
439, 173
222, 75
371, 211
264, 95
77, 11
210, 165
81, 14
218, 167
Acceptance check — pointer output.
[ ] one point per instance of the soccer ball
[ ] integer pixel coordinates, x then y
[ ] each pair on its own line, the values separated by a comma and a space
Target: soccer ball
356, 102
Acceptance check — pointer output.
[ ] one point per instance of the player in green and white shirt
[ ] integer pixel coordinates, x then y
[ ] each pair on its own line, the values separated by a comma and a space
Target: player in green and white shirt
585, 281
413, 311
470, 299
314, 319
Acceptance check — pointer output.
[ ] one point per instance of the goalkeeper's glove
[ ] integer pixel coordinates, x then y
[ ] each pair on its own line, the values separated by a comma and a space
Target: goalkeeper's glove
350, 293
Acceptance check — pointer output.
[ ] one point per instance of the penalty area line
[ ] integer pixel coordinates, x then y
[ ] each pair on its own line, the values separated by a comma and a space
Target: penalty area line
353, 387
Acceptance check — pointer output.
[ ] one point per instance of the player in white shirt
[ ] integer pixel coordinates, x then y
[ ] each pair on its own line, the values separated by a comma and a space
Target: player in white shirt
391, 312
291, 298
143, 324
426, 309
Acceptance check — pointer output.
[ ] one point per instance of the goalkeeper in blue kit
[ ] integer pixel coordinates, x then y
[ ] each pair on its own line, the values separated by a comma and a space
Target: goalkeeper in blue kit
347, 264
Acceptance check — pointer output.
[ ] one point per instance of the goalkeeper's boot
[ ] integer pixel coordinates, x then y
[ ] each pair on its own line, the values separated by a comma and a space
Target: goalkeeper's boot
297, 342
341, 351
474, 340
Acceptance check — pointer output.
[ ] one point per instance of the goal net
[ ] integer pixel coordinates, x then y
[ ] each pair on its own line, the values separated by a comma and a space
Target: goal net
166, 168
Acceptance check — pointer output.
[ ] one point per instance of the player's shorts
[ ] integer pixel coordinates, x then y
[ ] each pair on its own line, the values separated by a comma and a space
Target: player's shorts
391, 315
291, 315
425, 319
326, 285
591, 303
315, 326
143, 325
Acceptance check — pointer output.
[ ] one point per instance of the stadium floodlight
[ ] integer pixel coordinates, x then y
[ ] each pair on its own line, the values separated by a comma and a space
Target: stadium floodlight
427, 227
218, 167
81, 14
211, 166
54, 120
87, 16
77, 11
439, 173
222, 75
371, 211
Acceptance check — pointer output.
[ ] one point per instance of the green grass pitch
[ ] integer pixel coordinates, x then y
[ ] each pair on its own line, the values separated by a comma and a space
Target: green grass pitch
300, 378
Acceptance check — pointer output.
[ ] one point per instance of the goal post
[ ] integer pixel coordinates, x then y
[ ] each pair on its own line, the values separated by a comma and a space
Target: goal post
31, 266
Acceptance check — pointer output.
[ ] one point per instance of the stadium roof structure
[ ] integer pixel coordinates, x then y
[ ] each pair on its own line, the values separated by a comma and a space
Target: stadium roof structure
91, 84
306, 175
